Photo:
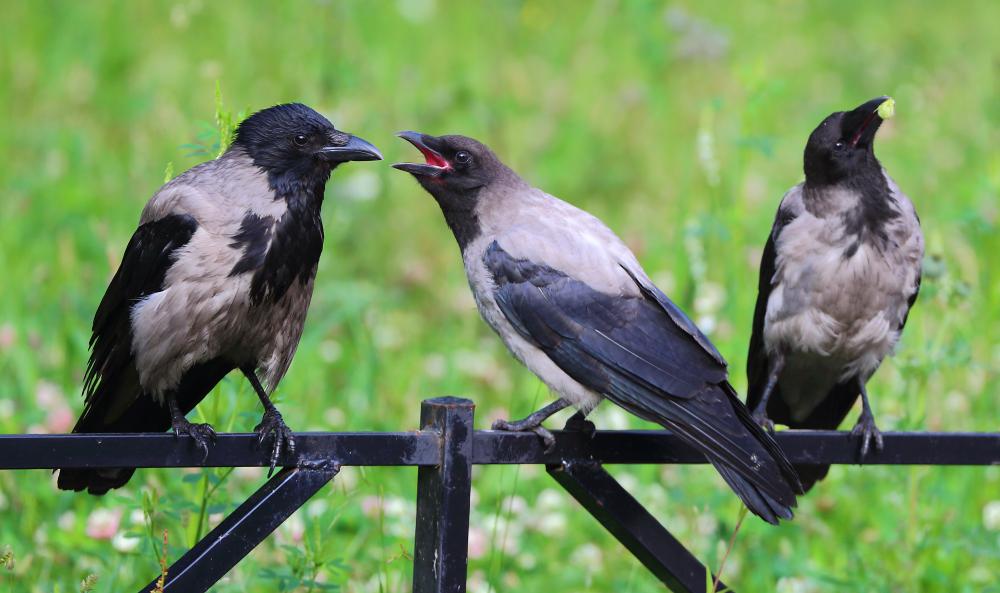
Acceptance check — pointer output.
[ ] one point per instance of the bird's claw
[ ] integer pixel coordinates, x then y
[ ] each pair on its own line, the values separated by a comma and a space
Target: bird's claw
201, 434
543, 433
273, 424
764, 422
868, 431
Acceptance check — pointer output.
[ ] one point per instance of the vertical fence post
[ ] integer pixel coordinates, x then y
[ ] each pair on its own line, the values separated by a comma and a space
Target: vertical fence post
441, 538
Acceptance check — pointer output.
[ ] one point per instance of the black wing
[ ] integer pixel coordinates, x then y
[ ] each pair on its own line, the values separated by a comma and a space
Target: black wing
111, 382
757, 359
632, 351
913, 299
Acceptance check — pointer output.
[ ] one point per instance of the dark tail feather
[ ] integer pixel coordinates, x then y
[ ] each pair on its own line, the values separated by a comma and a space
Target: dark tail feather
94, 481
718, 424
758, 502
827, 416
143, 414
810, 474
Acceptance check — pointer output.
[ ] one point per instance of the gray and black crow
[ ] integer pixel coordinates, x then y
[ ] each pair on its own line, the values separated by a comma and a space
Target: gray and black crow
839, 273
217, 277
572, 303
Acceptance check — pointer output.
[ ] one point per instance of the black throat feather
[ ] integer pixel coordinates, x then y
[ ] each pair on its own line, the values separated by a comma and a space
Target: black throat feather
868, 222
296, 238
459, 209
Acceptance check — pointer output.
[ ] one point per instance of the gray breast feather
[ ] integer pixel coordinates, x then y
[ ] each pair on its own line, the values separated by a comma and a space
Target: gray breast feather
835, 296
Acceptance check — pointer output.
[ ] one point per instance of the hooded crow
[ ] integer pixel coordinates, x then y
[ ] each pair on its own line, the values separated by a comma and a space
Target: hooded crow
839, 273
217, 277
572, 303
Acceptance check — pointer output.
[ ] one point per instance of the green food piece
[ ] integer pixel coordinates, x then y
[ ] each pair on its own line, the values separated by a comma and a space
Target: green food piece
887, 109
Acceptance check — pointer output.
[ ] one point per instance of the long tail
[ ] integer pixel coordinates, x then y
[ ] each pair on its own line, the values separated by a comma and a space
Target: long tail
121, 406
828, 415
143, 415
717, 423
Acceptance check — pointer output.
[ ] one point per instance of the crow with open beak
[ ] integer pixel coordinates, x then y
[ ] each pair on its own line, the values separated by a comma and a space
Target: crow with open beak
839, 273
572, 303
217, 277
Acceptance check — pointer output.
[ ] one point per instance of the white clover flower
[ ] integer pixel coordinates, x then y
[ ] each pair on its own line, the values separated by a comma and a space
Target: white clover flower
991, 515
125, 543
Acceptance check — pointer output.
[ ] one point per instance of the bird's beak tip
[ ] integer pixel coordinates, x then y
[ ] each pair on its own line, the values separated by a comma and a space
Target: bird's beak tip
356, 149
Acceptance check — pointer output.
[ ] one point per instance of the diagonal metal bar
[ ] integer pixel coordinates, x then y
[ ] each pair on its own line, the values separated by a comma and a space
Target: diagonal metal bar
239, 533
441, 536
622, 515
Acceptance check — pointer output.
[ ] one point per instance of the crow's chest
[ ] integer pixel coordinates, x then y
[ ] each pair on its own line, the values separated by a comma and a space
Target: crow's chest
822, 268
291, 257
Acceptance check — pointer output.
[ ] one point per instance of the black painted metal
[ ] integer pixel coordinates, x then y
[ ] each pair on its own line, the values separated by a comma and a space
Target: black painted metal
445, 451
441, 538
49, 451
488, 447
632, 525
800, 446
239, 533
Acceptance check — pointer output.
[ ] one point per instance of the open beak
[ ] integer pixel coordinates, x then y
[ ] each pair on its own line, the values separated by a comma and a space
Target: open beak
436, 165
860, 125
356, 149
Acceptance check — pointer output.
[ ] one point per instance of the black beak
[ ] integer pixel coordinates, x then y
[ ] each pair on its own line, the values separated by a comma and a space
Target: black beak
436, 165
356, 149
859, 125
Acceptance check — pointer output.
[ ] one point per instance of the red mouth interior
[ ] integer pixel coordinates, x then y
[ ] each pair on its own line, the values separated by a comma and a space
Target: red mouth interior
433, 158
857, 135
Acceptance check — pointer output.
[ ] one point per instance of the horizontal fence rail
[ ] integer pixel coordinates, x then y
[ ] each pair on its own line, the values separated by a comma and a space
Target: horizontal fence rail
422, 448
445, 449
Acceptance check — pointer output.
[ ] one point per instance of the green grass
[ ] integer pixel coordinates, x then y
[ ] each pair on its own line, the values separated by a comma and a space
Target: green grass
681, 126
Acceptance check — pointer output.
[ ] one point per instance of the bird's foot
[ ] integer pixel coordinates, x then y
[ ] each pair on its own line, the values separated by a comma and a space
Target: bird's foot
579, 423
200, 433
528, 424
273, 424
866, 429
760, 417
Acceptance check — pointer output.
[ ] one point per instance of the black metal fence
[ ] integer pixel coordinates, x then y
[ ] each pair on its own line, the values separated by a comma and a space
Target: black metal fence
444, 450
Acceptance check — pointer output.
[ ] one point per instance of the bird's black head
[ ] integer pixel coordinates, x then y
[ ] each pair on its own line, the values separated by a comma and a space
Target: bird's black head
841, 146
295, 145
456, 173
457, 168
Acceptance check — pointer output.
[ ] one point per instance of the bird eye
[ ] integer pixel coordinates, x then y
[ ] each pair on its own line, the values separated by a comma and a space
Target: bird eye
300, 140
463, 158
838, 146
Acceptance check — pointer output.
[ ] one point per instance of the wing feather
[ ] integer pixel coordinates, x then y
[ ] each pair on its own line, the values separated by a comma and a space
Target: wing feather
632, 351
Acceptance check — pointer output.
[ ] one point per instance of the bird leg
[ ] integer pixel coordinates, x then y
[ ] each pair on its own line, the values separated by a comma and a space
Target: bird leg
578, 422
271, 424
760, 412
865, 428
533, 423
200, 433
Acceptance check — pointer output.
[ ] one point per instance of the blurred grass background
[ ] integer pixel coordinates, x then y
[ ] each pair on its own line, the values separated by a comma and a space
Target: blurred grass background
681, 124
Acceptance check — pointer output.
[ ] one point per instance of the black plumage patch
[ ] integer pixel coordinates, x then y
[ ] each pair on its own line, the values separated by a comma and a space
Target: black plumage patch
758, 363
111, 375
296, 244
875, 209
253, 237
590, 333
